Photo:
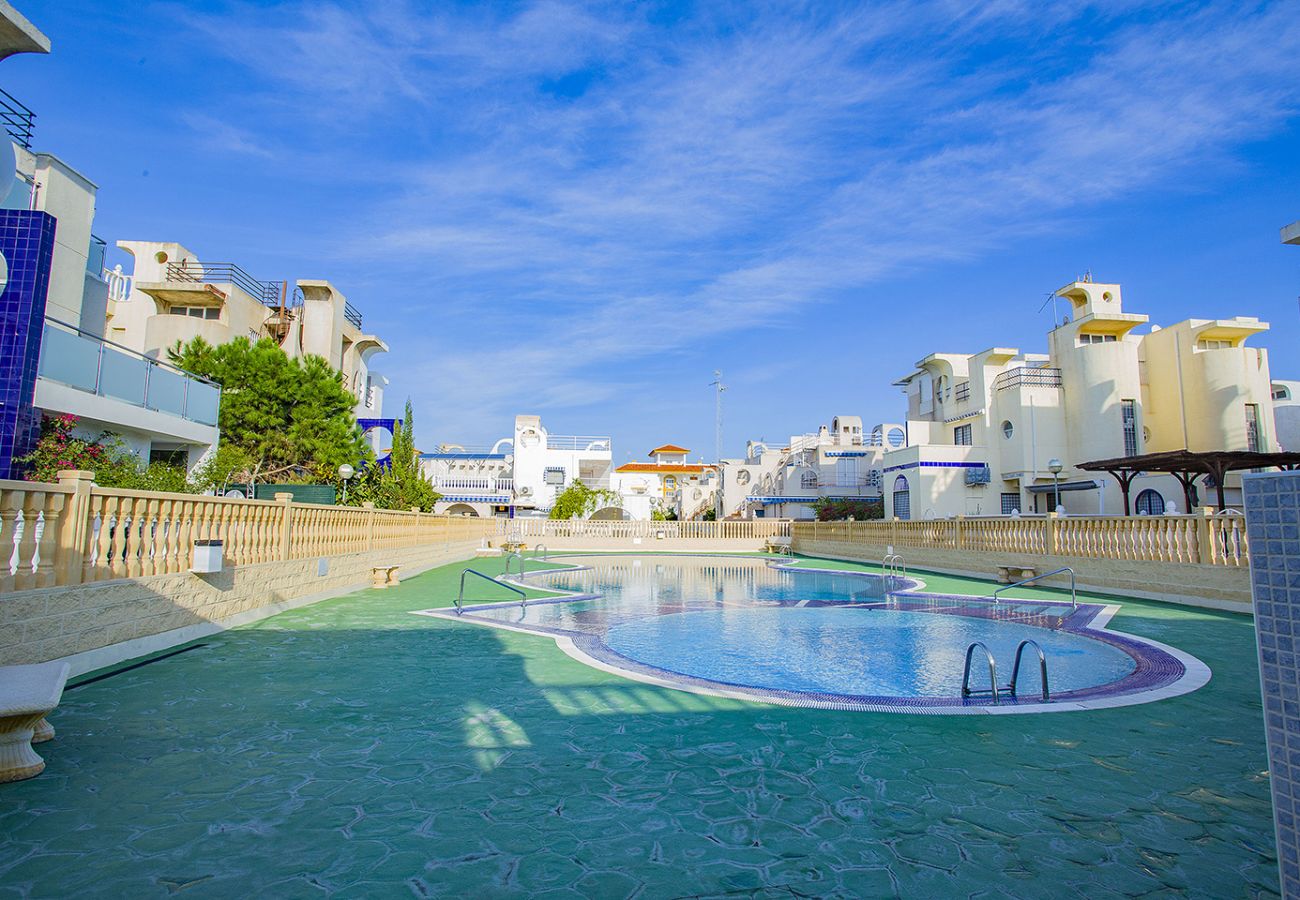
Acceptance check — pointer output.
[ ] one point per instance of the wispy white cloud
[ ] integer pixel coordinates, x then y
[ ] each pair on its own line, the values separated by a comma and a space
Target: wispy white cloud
618, 188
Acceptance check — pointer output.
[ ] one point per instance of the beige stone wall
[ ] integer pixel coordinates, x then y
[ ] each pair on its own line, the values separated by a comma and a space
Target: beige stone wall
105, 622
1218, 587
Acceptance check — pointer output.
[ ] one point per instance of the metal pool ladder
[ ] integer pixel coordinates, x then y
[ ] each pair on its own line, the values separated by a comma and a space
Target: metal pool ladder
541, 551
518, 556
1011, 689
460, 598
893, 564
993, 673
1074, 601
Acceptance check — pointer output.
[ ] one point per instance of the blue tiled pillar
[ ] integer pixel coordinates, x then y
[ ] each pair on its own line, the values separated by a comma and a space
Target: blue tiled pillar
27, 243
1273, 527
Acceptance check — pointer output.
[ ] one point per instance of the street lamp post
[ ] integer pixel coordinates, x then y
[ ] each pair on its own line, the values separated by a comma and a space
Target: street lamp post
346, 472
1054, 466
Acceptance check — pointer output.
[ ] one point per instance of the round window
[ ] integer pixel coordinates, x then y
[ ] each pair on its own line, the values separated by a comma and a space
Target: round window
896, 437
1008, 429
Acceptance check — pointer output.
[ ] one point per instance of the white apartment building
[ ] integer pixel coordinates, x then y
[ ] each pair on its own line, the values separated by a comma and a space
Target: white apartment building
840, 462
520, 475
172, 296
983, 429
54, 300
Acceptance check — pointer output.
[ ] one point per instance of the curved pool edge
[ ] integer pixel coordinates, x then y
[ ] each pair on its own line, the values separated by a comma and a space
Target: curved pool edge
593, 652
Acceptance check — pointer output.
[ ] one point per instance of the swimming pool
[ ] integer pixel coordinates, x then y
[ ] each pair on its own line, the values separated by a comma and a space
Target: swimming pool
750, 628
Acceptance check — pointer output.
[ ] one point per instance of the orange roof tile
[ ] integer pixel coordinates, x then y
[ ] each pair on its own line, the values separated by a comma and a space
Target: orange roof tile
668, 468
669, 448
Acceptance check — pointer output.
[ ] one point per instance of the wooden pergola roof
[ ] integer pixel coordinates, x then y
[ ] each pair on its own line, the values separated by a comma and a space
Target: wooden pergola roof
1188, 465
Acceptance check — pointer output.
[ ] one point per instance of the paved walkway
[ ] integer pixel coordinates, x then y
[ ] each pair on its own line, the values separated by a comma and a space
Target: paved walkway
350, 747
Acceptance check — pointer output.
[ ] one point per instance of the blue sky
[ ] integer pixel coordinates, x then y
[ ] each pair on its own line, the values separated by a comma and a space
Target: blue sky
581, 211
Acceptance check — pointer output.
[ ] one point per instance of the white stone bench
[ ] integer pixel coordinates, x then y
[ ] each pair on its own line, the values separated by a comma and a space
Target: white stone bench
1008, 574
27, 695
384, 576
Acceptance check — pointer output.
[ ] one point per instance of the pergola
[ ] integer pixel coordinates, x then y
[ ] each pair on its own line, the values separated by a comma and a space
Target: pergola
1187, 466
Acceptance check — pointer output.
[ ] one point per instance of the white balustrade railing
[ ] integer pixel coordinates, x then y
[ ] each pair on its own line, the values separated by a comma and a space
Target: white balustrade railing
74, 532
1199, 538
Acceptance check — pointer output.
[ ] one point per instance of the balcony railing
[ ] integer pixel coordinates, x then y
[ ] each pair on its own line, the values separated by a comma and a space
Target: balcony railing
87, 362
17, 119
474, 485
1026, 377
350, 313
95, 255
578, 442
268, 293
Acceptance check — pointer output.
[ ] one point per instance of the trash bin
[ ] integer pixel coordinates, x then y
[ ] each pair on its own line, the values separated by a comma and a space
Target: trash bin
207, 557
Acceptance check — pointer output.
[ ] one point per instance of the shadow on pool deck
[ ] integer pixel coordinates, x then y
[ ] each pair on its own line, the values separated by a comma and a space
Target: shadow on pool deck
350, 746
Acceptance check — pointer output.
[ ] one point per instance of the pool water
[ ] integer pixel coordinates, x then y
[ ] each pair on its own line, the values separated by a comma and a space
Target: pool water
745, 623
879, 652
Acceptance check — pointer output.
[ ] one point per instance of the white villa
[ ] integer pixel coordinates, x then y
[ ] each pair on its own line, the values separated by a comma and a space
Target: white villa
984, 429
840, 462
519, 475
668, 483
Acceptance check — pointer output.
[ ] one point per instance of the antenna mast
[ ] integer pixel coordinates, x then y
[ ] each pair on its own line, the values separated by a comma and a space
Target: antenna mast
717, 413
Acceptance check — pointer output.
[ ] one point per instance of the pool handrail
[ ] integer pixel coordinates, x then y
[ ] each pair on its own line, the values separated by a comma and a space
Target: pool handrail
892, 563
993, 673
460, 598
1042, 667
541, 551
515, 555
1074, 600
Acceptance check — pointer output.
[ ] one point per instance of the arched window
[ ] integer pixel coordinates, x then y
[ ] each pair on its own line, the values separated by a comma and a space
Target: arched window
1150, 503
902, 498
808, 479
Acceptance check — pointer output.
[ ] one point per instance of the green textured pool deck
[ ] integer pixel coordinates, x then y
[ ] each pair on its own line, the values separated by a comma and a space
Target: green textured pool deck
352, 748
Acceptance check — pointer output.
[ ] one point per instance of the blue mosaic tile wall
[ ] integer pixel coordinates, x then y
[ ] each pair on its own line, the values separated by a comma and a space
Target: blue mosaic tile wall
27, 243
1273, 527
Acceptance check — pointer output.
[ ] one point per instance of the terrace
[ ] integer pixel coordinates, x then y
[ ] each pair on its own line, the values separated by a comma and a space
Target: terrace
350, 746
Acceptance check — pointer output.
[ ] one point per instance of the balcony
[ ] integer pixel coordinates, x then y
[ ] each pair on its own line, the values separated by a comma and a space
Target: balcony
596, 444
485, 486
192, 282
350, 313
1023, 376
17, 119
77, 359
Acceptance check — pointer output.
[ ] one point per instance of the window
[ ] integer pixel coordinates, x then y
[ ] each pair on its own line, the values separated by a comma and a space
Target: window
1150, 503
961, 436
962, 393
1097, 339
1252, 427
197, 312
1010, 502
1281, 393
1128, 414
1213, 345
1008, 429
169, 456
808, 480
902, 499
553, 475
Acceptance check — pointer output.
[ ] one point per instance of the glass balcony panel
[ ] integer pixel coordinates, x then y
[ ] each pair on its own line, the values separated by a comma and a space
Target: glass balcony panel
123, 376
69, 358
202, 403
167, 391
